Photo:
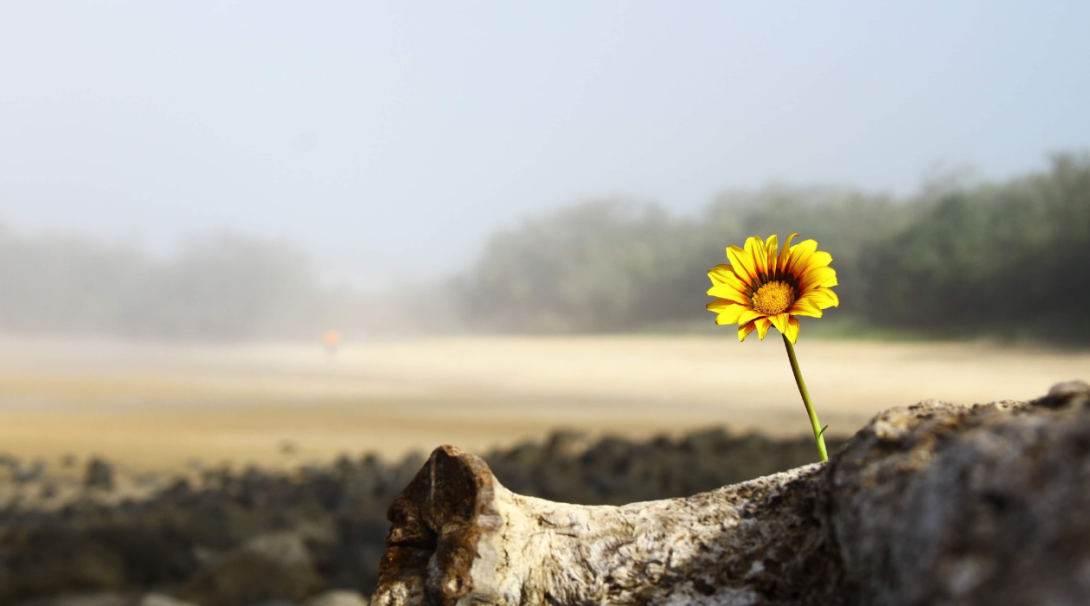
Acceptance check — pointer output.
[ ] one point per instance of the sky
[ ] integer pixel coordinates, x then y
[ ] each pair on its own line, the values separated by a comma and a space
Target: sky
390, 139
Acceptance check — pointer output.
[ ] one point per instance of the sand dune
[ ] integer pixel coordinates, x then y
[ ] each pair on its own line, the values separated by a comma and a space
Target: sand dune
158, 406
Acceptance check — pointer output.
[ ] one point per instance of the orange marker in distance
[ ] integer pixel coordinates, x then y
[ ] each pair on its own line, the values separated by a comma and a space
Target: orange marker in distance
331, 339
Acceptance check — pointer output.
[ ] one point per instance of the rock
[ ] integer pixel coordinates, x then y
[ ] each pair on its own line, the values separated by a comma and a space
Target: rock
567, 443
161, 599
26, 474
932, 504
1075, 393
982, 505
976, 469
83, 599
100, 474
273, 566
9, 461
48, 490
338, 598
52, 562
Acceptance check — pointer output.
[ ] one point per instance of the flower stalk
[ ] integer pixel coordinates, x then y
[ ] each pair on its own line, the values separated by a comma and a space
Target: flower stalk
819, 431
767, 286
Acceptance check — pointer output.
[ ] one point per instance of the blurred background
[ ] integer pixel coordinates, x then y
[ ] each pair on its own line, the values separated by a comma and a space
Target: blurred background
265, 236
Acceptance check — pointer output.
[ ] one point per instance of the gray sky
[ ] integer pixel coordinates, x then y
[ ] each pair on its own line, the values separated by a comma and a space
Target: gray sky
389, 139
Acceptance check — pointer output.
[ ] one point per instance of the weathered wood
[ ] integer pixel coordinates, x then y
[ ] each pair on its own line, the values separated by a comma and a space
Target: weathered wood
916, 509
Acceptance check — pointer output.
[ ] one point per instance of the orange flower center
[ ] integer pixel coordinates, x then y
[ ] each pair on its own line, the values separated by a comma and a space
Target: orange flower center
773, 298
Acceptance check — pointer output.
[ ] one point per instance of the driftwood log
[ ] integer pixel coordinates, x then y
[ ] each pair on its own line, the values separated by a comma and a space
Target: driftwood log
932, 504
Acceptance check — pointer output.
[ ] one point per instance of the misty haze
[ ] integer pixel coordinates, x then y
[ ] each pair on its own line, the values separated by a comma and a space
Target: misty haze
258, 259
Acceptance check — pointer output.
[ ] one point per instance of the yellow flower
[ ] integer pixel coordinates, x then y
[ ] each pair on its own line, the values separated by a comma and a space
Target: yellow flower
762, 287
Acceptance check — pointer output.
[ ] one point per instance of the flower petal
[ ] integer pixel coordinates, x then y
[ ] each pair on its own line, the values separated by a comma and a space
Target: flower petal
756, 248
726, 292
743, 264
772, 246
822, 297
763, 324
828, 294
728, 311
792, 333
820, 258
806, 307
748, 315
780, 322
800, 255
725, 274
818, 276
785, 253
744, 330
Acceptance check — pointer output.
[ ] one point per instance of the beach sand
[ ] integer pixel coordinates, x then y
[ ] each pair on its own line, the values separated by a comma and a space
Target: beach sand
161, 407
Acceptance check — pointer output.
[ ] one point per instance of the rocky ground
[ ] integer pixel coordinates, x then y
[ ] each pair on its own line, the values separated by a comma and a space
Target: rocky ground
88, 534
932, 504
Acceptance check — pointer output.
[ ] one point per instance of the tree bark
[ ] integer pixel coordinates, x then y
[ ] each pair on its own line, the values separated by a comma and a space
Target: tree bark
930, 504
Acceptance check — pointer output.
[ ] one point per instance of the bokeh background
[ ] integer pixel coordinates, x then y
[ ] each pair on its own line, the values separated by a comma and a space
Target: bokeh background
506, 213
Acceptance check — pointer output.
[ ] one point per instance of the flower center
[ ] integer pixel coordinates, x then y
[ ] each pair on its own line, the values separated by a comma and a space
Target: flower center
773, 298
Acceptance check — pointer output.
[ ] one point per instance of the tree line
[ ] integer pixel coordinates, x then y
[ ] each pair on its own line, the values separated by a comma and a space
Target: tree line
220, 287
1008, 259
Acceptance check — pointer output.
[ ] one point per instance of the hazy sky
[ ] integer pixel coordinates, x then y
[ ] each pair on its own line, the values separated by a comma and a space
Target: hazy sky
390, 139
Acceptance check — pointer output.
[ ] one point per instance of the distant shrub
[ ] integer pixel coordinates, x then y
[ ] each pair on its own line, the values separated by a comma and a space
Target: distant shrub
1001, 259
1008, 259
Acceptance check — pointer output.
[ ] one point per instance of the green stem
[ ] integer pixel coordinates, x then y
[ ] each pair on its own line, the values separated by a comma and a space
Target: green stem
819, 432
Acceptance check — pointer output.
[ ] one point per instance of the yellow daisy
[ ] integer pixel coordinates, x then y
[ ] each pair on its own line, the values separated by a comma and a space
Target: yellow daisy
763, 286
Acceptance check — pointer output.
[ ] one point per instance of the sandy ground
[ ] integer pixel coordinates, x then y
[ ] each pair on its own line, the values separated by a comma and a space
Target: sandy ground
160, 407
